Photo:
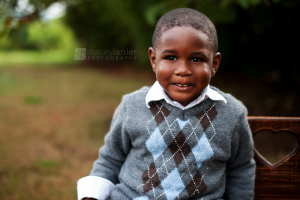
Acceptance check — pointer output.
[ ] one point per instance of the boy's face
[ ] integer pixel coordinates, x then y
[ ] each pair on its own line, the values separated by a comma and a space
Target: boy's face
184, 63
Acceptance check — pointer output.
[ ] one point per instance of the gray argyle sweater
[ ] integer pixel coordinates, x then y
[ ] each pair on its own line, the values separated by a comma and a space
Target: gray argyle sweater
163, 152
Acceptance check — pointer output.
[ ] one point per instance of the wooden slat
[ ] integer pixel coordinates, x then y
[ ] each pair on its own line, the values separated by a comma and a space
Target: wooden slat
282, 179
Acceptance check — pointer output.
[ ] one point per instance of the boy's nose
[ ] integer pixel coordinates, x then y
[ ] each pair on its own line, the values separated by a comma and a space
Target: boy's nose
183, 69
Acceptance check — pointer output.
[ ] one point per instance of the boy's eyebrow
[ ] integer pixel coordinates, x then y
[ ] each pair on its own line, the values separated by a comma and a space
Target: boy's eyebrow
169, 51
199, 53
193, 53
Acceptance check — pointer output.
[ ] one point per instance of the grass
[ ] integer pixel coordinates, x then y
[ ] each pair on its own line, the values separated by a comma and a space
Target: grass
21, 58
53, 121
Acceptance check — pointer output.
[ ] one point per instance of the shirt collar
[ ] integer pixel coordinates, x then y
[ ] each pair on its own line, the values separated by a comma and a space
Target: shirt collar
157, 93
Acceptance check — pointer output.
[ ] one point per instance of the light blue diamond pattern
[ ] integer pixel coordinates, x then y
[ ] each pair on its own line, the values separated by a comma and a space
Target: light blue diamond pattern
141, 198
172, 185
156, 144
182, 123
202, 151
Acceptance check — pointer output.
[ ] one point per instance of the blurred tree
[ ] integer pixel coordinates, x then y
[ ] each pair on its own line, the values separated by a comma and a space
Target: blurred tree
256, 37
119, 24
264, 41
26, 26
16, 14
250, 31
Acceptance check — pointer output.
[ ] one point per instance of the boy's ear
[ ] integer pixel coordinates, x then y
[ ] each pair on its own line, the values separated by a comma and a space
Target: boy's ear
152, 58
215, 64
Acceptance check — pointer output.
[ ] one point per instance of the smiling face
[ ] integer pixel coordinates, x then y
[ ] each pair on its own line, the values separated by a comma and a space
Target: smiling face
184, 63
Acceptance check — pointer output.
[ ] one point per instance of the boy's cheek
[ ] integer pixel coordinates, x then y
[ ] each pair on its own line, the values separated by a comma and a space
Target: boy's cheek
162, 72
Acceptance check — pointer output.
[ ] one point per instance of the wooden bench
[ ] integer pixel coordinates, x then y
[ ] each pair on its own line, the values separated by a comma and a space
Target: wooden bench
282, 179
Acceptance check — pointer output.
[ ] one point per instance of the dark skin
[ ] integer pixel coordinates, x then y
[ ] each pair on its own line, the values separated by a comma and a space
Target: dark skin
184, 63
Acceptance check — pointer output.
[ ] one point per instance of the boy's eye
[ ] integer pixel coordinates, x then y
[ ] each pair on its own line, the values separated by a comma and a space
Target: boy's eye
196, 59
171, 58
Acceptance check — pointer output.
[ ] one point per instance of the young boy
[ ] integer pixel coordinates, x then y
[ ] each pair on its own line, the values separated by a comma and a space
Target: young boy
182, 138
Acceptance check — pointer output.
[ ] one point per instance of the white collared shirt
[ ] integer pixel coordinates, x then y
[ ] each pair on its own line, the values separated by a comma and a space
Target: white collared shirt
157, 93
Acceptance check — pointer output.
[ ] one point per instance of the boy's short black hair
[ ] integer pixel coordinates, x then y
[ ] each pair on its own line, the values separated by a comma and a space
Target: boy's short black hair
186, 17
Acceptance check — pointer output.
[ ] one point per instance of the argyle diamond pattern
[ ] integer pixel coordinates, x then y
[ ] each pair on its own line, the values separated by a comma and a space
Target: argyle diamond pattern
177, 156
155, 144
182, 123
202, 151
179, 148
172, 184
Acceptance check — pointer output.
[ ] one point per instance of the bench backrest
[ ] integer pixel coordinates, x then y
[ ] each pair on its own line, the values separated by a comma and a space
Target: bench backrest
282, 179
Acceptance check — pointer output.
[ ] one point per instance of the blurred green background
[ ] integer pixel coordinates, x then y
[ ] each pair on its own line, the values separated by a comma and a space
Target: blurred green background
56, 103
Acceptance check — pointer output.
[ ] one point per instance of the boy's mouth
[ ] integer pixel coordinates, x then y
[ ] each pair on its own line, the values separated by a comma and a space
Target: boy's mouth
182, 85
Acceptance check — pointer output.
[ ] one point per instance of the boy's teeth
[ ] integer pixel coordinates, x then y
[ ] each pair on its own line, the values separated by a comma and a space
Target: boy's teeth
182, 84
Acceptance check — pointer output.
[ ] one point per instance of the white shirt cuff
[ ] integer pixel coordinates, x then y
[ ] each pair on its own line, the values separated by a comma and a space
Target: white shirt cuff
94, 187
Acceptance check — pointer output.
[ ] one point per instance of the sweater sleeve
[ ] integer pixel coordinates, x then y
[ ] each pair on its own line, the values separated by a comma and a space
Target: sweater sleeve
117, 145
240, 168
114, 152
